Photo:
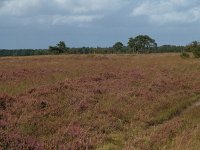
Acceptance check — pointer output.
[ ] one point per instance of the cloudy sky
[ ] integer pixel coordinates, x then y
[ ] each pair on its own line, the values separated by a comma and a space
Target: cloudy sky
40, 23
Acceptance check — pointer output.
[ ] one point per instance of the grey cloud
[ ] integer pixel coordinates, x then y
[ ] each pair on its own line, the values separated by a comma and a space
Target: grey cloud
55, 11
40, 23
169, 11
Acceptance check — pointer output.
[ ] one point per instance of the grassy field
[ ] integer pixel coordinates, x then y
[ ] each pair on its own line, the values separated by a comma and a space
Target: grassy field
103, 102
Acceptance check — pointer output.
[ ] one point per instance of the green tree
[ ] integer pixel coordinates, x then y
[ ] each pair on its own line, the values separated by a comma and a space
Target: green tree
193, 47
196, 52
61, 45
118, 47
59, 48
142, 44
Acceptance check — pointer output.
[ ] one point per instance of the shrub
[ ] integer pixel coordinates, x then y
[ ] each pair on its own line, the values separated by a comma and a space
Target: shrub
185, 55
196, 52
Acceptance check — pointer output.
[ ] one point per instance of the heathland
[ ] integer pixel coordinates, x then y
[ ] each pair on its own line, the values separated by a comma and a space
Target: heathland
142, 102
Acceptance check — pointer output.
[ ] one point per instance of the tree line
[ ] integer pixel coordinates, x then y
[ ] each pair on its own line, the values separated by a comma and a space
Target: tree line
138, 44
23, 52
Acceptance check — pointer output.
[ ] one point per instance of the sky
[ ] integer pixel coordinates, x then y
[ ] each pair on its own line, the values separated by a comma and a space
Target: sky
40, 23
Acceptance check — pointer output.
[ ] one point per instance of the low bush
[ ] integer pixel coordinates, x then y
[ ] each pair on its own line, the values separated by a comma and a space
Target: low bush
184, 55
196, 52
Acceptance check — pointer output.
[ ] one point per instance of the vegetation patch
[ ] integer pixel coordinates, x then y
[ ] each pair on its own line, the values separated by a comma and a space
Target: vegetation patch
185, 55
99, 102
173, 111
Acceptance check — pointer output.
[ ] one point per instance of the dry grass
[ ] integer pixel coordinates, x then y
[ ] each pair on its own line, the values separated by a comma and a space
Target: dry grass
99, 102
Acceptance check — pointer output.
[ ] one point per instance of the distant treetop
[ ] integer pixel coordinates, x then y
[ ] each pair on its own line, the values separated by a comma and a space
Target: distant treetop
59, 48
142, 44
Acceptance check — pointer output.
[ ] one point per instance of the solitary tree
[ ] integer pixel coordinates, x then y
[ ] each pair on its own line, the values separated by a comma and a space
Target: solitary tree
142, 43
118, 47
61, 45
59, 48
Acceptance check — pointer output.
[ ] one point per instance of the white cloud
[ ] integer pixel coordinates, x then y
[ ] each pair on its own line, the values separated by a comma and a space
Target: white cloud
169, 11
59, 11
83, 6
17, 7
59, 19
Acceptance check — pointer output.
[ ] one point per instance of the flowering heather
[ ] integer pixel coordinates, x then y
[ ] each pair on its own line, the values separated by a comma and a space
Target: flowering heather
99, 102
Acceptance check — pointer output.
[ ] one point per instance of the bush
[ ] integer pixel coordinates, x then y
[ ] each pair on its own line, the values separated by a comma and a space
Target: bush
196, 52
185, 55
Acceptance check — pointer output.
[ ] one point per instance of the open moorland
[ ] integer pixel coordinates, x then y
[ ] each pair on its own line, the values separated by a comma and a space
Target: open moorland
103, 102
